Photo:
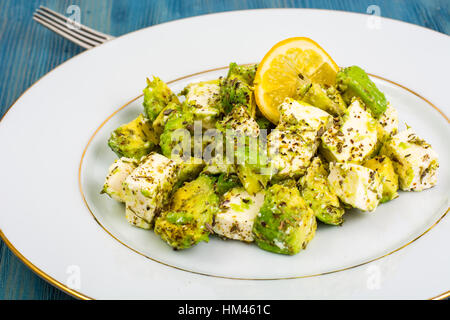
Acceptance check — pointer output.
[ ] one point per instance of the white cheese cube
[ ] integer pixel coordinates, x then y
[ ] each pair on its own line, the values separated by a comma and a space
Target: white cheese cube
237, 214
300, 113
241, 123
148, 187
294, 142
204, 97
290, 155
118, 172
415, 162
352, 139
389, 120
135, 220
356, 185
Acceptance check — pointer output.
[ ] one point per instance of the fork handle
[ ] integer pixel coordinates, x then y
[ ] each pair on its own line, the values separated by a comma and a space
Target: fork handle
65, 27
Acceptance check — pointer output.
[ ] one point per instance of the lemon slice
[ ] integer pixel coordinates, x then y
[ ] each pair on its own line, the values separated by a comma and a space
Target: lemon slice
283, 70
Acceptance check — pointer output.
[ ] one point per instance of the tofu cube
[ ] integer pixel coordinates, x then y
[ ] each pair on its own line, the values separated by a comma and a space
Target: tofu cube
355, 185
354, 138
285, 223
204, 97
415, 162
238, 210
118, 172
148, 187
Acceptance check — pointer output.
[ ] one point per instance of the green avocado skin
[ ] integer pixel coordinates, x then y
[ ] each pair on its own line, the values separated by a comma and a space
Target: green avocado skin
354, 82
285, 223
226, 182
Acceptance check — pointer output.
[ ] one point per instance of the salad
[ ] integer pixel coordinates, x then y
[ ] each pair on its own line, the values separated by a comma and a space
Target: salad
263, 153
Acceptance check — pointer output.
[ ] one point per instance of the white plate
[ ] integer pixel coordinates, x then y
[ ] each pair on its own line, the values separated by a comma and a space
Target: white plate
53, 144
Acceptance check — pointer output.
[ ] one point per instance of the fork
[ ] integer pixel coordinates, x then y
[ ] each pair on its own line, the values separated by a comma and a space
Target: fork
81, 35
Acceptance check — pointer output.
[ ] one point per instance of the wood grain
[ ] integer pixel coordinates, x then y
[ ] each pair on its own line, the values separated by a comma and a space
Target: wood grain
28, 51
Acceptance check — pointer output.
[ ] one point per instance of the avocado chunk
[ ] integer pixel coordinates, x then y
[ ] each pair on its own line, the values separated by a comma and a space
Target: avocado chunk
175, 139
252, 178
236, 88
285, 223
326, 98
187, 170
389, 179
354, 82
157, 95
319, 195
250, 152
253, 167
263, 123
255, 171
160, 122
134, 139
189, 217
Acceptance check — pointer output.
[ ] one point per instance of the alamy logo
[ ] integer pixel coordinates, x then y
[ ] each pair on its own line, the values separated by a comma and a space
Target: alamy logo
374, 20
74, 20
74, 278
374, 277
224, 147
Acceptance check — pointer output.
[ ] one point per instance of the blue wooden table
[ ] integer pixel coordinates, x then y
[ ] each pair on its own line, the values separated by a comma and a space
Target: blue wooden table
28, 51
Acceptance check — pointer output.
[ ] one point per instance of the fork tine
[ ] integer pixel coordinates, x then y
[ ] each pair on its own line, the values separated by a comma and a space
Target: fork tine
88, 32
63, 26
62, 31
